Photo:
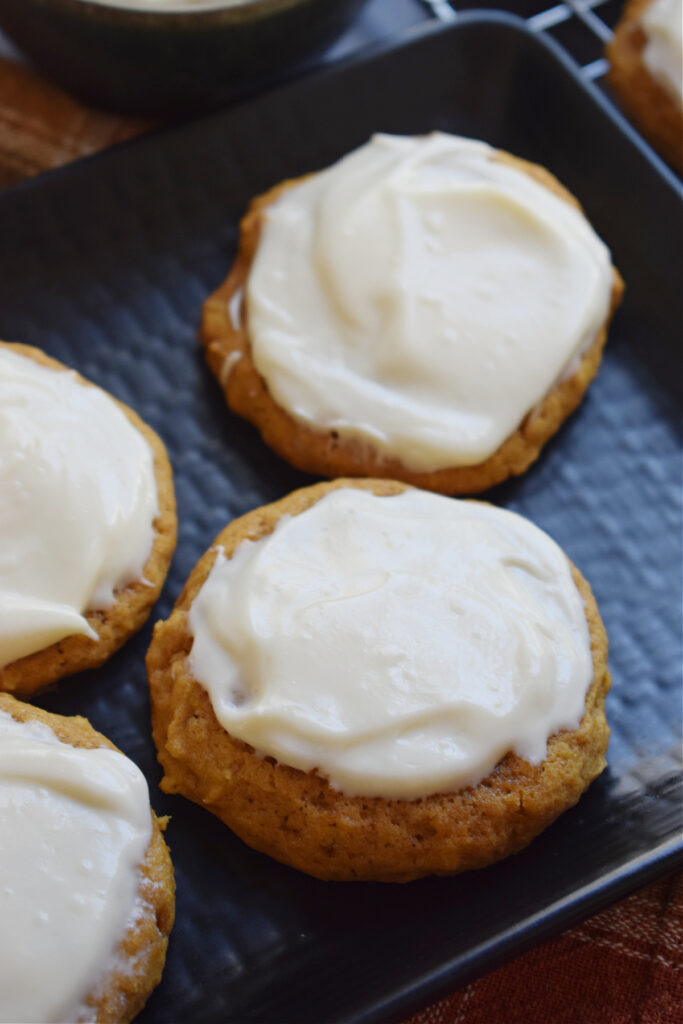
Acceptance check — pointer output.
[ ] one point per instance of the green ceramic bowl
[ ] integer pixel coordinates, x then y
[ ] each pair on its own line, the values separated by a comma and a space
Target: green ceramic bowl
140, 56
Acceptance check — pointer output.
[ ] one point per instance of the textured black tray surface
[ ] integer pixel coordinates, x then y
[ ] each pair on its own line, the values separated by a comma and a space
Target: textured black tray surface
105, 266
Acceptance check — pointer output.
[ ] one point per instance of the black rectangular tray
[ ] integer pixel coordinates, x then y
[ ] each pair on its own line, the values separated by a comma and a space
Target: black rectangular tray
105, 265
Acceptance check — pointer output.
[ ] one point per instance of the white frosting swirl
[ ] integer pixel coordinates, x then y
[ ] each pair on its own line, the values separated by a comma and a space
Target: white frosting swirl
424, 296
78, 499
400, 645
74, 828
662, 22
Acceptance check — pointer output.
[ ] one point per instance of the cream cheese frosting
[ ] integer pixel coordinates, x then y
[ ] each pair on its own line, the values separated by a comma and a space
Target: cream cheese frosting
74, 828
422, 295
399, 645
78, 499
662, 22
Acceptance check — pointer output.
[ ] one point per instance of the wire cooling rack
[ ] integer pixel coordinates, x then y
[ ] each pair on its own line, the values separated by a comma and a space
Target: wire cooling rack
582, 27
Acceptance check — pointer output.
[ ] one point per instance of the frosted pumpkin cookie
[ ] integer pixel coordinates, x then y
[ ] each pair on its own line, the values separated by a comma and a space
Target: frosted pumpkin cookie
87, 521
646, 72
367, 681
427, 309
87, 894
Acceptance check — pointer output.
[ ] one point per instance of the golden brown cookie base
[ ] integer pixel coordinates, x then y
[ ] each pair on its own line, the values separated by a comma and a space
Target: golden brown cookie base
656, 113
299, 819
133, 603
325, 452
121, 993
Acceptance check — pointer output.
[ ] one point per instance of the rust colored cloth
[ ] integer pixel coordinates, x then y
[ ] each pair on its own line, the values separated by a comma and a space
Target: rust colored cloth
623, 966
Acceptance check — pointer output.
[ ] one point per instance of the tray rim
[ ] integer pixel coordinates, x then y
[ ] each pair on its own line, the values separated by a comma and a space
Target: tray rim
640, 870
533, 931
412, 36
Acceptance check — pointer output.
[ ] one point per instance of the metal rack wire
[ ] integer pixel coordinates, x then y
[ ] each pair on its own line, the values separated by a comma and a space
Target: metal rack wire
581, 26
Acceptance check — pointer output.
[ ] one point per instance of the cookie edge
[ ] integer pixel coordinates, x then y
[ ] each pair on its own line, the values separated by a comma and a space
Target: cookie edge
648, 103
114, 626
116, 998
324, 452
173, 691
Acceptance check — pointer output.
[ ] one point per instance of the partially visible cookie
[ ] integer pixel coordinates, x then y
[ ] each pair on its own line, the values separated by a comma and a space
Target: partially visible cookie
428, 310
87, 899
379, 755
87, 521
646, 58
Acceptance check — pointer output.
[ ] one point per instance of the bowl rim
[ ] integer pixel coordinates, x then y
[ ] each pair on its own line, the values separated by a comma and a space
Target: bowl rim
171, 8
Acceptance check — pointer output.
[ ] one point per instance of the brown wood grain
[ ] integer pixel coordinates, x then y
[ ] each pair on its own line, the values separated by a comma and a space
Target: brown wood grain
42, 127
